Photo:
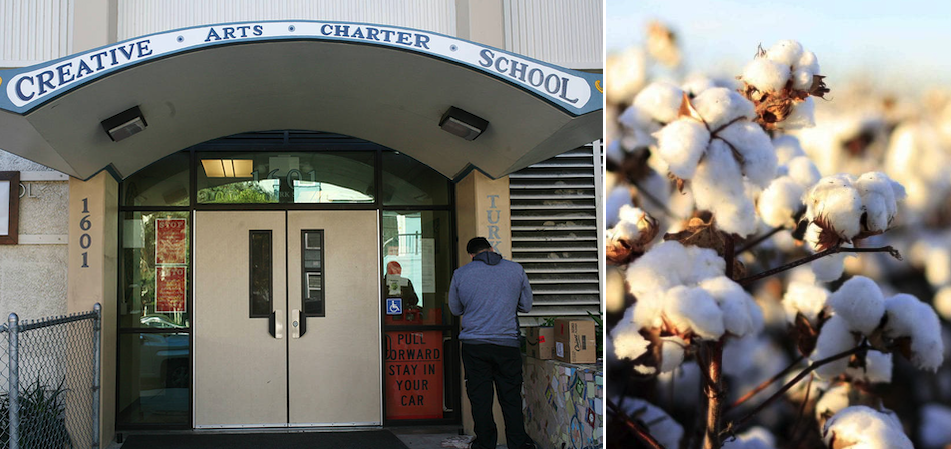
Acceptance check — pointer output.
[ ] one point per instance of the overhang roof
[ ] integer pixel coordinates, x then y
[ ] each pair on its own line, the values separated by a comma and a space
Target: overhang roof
197, 84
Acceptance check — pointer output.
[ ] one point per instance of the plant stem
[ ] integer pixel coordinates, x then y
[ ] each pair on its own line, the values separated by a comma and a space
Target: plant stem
736, 425
639, 430
767, 383
834, 250
711, 437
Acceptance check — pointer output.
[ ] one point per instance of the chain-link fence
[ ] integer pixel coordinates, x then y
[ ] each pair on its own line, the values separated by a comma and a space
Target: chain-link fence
49, 382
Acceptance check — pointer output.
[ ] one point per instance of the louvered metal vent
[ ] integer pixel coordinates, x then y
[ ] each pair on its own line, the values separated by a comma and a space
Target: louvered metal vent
555, 232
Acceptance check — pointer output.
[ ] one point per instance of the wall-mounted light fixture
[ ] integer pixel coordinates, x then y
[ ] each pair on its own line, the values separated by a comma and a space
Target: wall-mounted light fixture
124, 124
463, 124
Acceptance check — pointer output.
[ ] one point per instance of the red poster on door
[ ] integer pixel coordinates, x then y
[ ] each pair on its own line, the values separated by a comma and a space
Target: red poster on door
414, 375
171, 239
169, 289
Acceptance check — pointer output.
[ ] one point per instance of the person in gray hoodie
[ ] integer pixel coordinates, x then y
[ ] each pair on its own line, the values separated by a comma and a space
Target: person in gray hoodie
488, 292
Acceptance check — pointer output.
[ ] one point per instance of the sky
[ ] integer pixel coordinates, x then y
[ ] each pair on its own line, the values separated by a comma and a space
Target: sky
902, 44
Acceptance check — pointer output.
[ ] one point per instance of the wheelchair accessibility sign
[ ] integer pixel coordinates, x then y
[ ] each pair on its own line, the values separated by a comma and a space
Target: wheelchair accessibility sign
394, 306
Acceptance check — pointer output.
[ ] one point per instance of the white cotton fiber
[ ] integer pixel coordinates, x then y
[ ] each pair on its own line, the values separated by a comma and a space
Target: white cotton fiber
680, 144
787, 147
719, 106
805, 298
832, 401
628, 343
734, 302
695, 84
672, 353
755, 438
694, 309
803, 115
859, 301
766, 75
829, 268
909, 317
803, 171
619, 196
862, 427
657, 270
701, 264
834, 200
629, 217
878, 368
834, 338
879, 195
718, 187
802, 80
808, 61
780, 201
755, 148
658, 102
785, 52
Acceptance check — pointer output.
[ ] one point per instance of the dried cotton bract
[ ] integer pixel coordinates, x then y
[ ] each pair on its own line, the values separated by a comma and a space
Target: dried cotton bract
780, 82
714, 145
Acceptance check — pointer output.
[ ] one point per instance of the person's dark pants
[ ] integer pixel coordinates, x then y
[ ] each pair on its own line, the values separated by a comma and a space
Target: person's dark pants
502, 365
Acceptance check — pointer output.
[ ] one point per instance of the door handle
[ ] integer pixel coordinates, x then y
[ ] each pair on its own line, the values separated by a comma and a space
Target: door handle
276, 325
295, 323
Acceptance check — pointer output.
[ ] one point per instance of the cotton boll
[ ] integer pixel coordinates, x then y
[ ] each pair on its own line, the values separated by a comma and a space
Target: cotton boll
785, 52
694, 309
632, 222
803, 171
755, 438
657, 270
832, 401
780, 202
805, 298
935, 430
802, 79
680, 144
803, 115
787, 147
627, 341
734, 302
659, 103
719, 106
619, 196
942, 302
860, 303
879, 195
695, 84
829, 268
834, 338
660, 425
909, 317
859, 426
614, 295
718, 187
704, 264
756, 149
766, 75
878, 368
808, 61
672, 353
626, 74
836, 201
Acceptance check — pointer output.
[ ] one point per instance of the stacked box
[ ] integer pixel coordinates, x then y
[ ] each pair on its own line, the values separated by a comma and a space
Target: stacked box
574, 341
540, 342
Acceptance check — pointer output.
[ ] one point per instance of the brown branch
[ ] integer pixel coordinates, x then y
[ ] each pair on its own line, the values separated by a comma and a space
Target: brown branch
767, 383
639, 430
735, 425
834, 250
711, 438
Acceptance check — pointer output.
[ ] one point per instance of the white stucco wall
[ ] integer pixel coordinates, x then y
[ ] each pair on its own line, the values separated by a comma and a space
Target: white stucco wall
33, 276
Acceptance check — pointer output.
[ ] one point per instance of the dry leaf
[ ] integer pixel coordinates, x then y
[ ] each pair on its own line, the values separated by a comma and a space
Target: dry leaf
805, 335
704, 234
818, 88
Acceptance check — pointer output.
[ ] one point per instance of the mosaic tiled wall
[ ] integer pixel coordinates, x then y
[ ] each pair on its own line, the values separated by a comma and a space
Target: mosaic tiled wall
563, 404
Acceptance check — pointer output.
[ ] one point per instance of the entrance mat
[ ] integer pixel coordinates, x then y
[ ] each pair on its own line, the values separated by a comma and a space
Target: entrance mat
376, 439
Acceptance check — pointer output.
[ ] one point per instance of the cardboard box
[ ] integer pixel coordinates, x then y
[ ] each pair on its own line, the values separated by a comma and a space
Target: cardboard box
540, 342
574, 341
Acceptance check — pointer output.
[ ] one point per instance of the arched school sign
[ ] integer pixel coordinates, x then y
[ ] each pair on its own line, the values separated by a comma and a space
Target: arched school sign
575, 92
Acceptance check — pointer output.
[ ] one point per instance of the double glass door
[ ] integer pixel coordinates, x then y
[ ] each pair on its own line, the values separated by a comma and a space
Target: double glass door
287, 329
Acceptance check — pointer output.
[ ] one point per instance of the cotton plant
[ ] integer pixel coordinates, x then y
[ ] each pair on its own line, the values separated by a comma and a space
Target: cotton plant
739, 161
